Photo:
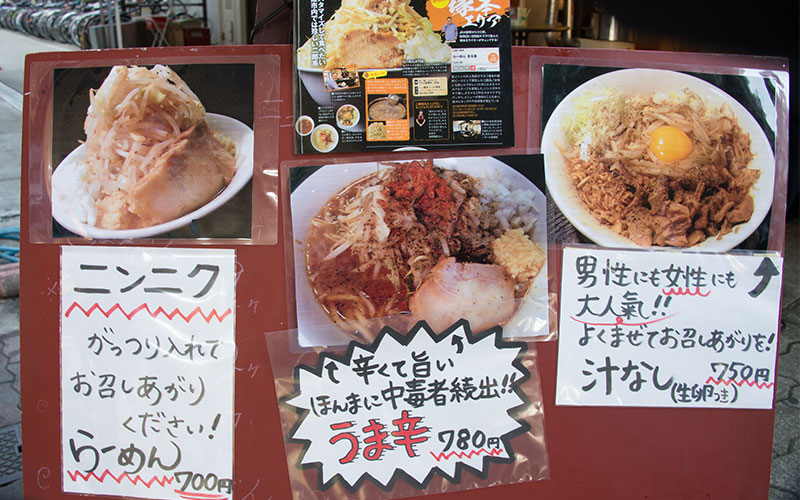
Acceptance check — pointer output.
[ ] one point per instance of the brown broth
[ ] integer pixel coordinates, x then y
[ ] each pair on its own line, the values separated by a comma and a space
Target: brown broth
383, 109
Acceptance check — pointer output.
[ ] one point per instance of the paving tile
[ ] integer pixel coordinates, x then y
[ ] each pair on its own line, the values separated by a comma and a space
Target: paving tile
791, 314
776, 494
14, 369
9, 405
10, 145
789, 362
9, 201
9, 315
794, 397
10, 347
784, 474
13, 491
5, 375
787, 429
791, 262
783, 388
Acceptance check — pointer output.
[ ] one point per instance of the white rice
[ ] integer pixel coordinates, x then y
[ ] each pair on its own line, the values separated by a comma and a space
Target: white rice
74, 196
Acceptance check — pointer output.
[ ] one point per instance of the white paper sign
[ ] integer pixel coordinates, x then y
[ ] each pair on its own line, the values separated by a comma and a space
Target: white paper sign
664, 328
147, 367
475, 60
410, 406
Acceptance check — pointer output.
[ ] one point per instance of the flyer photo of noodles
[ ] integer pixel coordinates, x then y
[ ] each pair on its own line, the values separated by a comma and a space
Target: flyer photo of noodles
646, 158
391, 243
152, 151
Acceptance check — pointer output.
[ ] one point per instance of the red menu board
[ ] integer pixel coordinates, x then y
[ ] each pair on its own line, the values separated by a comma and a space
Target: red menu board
579, 451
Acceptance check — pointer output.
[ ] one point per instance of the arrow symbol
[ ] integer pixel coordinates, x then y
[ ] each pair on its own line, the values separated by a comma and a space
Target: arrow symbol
456, 341
766, 270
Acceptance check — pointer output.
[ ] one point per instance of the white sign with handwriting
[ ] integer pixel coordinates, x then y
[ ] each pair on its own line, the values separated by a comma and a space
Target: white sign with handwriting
410, 406
665, 328
147, 370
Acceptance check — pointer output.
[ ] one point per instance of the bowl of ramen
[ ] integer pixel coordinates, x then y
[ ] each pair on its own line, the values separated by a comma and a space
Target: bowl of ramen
643, 157
391, 107
153, 159
324, 138
389, 244
347, 116
304, 125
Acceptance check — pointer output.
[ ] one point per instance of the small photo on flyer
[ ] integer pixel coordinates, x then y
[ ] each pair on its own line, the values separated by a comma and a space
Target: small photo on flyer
656, 158
389, 244
156, 151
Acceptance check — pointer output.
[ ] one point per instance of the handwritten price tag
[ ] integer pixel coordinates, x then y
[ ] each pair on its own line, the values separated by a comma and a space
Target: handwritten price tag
648, 328
147, 350
410, 406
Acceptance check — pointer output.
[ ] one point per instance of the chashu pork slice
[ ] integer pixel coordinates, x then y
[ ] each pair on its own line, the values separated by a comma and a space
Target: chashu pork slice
187, 176
481, 293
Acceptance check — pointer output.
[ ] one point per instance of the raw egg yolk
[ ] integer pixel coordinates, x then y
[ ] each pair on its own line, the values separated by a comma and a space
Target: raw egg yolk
670, 144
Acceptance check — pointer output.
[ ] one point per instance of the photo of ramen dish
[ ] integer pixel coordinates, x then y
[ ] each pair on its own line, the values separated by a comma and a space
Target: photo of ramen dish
374, 34
663, 167
415, 240
150, 154
324, 138
387, 108
347, 116
376, 131
304, 125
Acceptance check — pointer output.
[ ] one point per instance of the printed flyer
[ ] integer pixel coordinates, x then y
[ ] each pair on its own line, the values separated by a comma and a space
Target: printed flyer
384, 74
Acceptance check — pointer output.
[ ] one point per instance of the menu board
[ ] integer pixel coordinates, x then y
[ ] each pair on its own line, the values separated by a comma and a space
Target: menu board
385, 327
387, 74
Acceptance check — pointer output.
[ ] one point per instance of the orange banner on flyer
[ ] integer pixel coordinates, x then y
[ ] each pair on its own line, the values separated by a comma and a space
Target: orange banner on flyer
466, 12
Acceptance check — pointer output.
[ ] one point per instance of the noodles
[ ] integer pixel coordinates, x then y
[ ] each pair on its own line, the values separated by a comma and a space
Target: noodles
660, 169
376, 131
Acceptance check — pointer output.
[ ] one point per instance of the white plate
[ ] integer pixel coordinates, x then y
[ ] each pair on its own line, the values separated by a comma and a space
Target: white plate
314, 192
69, 190
646, 81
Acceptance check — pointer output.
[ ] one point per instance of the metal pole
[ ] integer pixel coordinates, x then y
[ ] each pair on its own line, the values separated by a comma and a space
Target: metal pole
118, 22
